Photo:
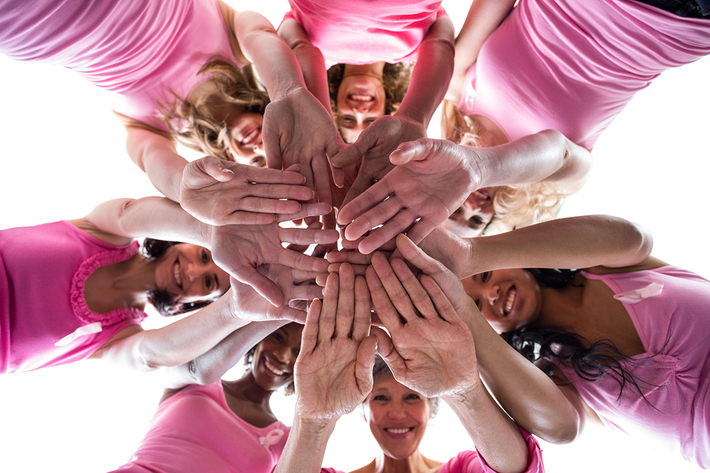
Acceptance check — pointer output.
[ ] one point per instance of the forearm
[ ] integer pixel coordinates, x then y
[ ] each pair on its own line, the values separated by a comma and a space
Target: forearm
431, 73
158, 158
547, 156
496, 437
566, 243
305, 447
211, 366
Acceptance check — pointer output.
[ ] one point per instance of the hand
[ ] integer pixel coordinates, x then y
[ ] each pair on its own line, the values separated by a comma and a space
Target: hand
372, 149
297, 129
431, 180
297, 285
431, 350
242, 249
456, 253
333, 372
220, 192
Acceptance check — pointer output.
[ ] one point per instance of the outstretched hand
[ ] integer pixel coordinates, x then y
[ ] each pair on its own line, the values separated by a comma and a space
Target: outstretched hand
297, 129
220, 192
431, 349
242, 249
333, 372
431, 180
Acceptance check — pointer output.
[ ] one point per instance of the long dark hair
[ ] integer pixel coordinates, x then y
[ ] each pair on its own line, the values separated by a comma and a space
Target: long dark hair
164, 302
591, 361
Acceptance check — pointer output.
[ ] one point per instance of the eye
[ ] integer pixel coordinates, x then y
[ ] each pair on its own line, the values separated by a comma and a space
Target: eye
380, 397
205, 256
413, 397
476, 222
278, 337
485, 276
209, 283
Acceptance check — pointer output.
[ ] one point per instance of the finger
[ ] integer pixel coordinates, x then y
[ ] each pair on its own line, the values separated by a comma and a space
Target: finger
321, 279
281, 191
358, 268
376, 216
365, 360
296, 260
216, 168
418, 257
362, 182
411, 151
396, 225
388, 352
261, 284
309, 337
246, 218
417, 293
421, 229
368, 196
273, 176
395, 291
348, 156
305, 292
272, 146
321, 175
326, 326
383, 306
267, 205
304, 247
346, 302
308, 236
293, 314
352, 257
300, 276
363, 306
308, 209
443, 304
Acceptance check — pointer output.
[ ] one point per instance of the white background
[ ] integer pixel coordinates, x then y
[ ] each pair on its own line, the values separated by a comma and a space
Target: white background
63, 153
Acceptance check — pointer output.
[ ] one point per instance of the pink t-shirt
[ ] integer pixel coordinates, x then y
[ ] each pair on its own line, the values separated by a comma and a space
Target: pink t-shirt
196, 431
573, 66
363, 32
670, 309
138, 52
471, 462
42, 274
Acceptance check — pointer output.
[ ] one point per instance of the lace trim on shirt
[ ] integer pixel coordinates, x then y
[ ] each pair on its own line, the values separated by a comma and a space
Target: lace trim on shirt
78, 302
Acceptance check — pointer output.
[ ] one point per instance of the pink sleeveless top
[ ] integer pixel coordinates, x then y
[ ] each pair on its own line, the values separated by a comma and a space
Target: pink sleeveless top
44, 319
137, 52
670, 308
573, 66
363, 32
471, 462
196, 431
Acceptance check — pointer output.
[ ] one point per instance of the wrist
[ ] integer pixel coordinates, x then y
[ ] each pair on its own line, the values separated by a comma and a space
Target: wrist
466, 395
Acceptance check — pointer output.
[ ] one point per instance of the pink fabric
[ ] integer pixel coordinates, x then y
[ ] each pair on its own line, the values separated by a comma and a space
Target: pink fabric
674, 326
42, 275
196, 431
136, 51
363, 32
573, 66
471, 462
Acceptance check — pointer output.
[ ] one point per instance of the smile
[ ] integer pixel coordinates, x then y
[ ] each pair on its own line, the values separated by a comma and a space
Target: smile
361, 98
510, 300
480, 196
273, 368
177, 278
252, 137
398, 432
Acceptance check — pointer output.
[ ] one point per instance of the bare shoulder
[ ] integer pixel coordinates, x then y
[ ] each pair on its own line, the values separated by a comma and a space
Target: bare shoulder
648, 263
85, 225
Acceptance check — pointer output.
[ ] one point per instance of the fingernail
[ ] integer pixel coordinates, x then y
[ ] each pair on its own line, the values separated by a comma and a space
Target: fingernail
227, 170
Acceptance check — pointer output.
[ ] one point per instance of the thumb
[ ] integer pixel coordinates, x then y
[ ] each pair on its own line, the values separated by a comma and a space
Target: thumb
388, 352
261, 284
205, 171
365, 362
417, 150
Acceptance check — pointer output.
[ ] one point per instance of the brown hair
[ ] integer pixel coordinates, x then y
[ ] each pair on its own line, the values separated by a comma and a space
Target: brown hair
515, 206
196, 126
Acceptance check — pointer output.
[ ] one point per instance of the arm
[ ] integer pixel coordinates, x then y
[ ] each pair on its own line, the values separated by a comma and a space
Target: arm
432, 352
434, 177
483, 18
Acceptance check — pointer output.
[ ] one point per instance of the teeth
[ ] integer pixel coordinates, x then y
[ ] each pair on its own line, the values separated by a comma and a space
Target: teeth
274, 369
481, 195
511, 298
361, 97
247, 140
398, 431
176, 273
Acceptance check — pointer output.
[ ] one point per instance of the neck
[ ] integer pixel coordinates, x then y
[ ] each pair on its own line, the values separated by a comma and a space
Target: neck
119, 285
414, 463
373, 70
246, 389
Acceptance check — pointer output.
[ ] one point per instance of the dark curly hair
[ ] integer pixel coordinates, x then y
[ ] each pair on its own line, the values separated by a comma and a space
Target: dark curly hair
165, 303
591, 361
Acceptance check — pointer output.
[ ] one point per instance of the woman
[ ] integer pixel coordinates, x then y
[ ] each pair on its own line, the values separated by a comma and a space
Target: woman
609, 50
224, 426
628, 333
432, 355
88, 275
145, 57
361, 37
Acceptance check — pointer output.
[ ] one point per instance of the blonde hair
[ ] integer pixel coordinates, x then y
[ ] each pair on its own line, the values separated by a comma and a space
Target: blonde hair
515, 206
196, 126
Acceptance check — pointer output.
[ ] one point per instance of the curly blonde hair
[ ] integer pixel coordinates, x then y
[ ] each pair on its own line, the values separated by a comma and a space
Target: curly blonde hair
515, 206
196, 126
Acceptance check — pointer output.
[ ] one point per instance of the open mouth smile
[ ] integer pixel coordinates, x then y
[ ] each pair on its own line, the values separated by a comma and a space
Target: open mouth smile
252, 137
510, 300
273, 368
177, 277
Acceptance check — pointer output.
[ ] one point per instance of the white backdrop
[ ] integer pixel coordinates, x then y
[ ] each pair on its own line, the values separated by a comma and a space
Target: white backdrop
63, 153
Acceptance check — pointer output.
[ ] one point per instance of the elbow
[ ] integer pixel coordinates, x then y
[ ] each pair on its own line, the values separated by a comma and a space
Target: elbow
201, 376
563, 431
635, 242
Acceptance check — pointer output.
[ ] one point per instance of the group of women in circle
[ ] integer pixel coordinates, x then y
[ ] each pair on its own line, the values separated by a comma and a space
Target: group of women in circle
330, 112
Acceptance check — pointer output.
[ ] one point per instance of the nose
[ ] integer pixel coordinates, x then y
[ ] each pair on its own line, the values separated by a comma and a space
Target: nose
285, 355
493, 293
397, 411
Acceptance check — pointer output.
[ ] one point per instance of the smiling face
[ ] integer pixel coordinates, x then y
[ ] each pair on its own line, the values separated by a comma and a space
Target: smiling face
507, 298
474, 215
188, 273
360, 101
245, 143
274, 357
397, 416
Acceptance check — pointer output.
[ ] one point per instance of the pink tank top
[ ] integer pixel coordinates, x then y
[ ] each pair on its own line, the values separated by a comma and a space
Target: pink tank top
573, 65
138, 52
42, 274
363, 32
196, 431
670, 308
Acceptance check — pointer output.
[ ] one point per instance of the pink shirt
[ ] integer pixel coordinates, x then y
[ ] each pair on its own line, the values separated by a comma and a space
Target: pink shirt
42, 274
196, 431
471, 462
670, 309
573, 66
363, 32
138, 52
